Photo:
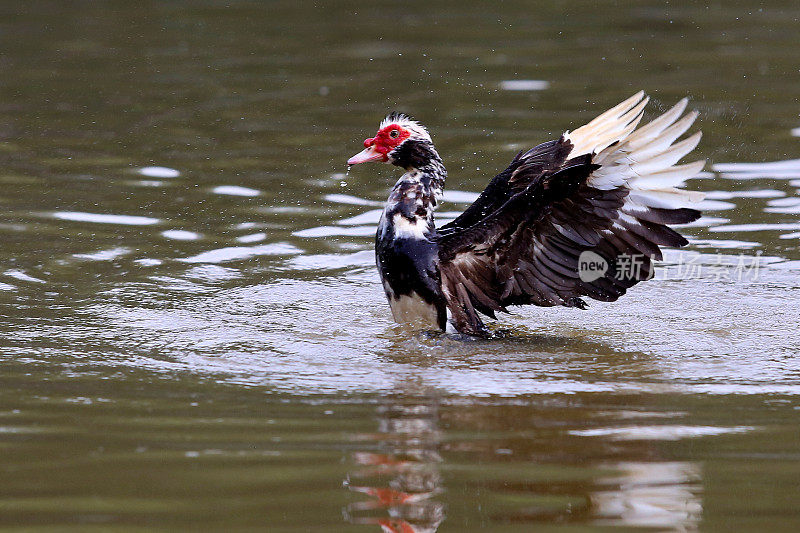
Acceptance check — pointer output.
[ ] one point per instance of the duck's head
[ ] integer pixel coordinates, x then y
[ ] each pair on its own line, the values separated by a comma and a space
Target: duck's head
400, 141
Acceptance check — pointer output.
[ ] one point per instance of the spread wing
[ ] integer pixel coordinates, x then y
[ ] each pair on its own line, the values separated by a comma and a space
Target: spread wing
590, 225
523, 170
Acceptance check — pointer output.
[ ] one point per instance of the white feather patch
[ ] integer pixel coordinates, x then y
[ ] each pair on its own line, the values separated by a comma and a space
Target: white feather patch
667, 158
651, 130
407, 229
412, 309
644, 159
669, 198
419, 131
660, 142
610, 127
674, 176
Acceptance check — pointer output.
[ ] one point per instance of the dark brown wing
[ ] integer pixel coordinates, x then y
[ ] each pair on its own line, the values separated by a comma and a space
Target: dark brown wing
523, 170
592, 228
527, 251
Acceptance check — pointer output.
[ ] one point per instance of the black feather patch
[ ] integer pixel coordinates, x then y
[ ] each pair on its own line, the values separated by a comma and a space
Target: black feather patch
525, 169
522, 240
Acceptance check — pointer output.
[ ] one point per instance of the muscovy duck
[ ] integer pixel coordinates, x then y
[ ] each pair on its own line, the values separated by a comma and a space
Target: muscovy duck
582, 215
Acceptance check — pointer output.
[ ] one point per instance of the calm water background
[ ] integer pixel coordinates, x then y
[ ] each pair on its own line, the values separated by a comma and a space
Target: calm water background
206, 345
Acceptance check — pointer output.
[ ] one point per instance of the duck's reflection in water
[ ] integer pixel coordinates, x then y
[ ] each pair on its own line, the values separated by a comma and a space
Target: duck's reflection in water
397, 470
658, 495
548, 469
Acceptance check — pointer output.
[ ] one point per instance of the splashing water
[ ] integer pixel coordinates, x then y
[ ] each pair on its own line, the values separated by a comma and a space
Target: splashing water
343, 183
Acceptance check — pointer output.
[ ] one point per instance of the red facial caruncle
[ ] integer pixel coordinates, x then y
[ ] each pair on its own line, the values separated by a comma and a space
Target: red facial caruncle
387, 139
378, 148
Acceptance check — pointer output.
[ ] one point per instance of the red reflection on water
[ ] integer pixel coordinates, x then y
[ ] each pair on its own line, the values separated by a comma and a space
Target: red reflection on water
399, 471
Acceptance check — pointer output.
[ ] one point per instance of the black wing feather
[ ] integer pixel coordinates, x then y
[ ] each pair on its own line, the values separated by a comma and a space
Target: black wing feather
523, 170
526, 251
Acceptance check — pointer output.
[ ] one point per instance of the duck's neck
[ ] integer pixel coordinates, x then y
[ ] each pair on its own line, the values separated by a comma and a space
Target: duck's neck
414, 198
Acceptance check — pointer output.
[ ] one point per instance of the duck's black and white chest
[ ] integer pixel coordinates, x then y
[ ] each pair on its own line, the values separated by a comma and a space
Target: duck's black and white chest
407, 257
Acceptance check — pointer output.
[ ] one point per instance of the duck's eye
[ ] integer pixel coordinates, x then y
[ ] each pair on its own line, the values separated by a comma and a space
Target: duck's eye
394, 134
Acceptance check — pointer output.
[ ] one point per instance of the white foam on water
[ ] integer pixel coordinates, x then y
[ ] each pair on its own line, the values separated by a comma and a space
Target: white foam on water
460, 197
789, 210
330, 231
788, 226
22, 276
774, 174
350, 200
283, 209
253, 237
180, 235
763, 168
787, 169
703, 175
234, 253
665, 432
159, 172
364, 258
785, 202
146, 261
147, 183
235, 190
104, 255
706, 348
703, 222
102, 218
212, 273
760, 193
788, 206
370, 217
524, 85
726, 244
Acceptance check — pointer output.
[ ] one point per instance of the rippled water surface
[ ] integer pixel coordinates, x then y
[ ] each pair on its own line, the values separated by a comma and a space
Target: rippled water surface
193, 335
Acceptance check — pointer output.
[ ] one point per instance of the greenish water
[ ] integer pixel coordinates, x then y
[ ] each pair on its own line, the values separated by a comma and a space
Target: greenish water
206, 345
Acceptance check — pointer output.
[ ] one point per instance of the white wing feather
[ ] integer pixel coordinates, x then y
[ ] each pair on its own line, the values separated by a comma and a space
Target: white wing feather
644, 159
